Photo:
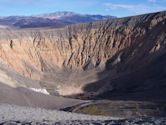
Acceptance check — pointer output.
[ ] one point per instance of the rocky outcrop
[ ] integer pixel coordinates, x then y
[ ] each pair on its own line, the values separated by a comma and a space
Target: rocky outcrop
136, 121
88, 57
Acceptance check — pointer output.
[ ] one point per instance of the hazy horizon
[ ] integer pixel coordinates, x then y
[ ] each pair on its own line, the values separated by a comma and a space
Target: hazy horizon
40, 14
96, 7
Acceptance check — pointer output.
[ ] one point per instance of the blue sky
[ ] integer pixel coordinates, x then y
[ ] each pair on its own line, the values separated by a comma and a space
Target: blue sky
118, 8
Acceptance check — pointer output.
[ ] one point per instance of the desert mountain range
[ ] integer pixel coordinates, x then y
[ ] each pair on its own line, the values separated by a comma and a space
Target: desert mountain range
50, 20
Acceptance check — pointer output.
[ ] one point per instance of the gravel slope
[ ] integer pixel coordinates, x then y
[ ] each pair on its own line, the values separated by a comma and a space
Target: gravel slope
24, 97
16, 115
12, 112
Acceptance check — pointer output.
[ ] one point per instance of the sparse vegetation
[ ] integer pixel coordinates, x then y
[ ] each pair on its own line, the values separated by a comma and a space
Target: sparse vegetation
126, 109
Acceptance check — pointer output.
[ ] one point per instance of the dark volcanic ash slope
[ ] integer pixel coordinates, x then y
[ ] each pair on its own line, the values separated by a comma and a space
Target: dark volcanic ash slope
122, 56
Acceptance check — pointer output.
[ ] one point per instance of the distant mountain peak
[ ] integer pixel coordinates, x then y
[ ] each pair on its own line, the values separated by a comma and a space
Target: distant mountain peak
56, 19
57, 15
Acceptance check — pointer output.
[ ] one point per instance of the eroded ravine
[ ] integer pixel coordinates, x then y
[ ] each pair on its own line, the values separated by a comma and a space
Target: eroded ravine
87, 58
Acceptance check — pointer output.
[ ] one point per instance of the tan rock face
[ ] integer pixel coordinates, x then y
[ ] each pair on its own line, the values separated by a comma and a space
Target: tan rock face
78, 55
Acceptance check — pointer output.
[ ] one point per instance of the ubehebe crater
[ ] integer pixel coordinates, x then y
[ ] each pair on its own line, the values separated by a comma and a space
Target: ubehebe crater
122, 57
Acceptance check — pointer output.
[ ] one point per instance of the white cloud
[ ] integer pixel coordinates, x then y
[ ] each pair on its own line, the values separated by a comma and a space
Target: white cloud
152, 1
137, 9
118, 6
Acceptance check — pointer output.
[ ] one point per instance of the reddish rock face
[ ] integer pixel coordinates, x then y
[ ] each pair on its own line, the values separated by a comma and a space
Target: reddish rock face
115, 55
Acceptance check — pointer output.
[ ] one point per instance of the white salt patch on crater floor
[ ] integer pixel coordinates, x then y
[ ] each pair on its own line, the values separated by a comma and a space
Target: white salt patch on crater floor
42, 90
